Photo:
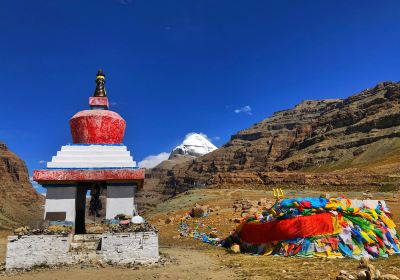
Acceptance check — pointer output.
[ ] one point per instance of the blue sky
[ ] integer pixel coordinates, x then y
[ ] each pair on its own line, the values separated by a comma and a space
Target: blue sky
175, 67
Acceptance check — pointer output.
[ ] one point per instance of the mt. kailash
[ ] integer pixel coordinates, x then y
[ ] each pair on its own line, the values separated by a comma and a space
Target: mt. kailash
195, 145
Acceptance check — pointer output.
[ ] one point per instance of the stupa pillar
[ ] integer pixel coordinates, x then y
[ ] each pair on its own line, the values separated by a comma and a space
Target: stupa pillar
120, 199
60, 203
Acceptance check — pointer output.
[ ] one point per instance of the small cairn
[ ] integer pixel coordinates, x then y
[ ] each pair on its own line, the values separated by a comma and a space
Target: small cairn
368, 272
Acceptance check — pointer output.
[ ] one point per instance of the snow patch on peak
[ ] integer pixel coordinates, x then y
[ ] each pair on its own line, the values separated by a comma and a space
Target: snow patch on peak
195, 144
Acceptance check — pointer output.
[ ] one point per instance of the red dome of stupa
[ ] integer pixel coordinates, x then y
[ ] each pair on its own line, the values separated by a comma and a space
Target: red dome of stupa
98, 125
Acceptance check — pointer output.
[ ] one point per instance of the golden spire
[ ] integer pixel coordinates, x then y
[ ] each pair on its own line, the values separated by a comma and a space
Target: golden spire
100, 81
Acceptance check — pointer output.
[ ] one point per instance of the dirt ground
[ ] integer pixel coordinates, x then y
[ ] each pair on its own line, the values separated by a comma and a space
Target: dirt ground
196, 260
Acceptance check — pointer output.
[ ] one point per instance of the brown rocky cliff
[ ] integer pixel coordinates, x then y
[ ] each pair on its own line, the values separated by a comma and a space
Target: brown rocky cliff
154, 185
336, 143
19, 202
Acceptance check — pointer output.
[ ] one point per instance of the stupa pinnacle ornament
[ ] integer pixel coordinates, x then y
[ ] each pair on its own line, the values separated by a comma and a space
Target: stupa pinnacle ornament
100, 81
99, 99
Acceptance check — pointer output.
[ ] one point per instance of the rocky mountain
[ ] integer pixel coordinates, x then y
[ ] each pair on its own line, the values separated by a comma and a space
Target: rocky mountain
19, 202
333, 143
194, 145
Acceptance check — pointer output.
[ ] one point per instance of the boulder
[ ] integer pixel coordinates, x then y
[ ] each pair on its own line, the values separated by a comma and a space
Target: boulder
235, 248
138, 220
21, 230
362, 275
344, 275
364, 262
123, 217
197, 212
95, 229
389, 277
253, 210
245, 214
236, 207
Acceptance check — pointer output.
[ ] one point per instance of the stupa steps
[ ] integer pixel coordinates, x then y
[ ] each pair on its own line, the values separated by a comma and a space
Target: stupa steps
108, 164
94, 148
91, 158
90, 153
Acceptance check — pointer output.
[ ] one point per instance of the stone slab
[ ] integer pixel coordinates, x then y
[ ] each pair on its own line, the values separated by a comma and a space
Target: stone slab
136, 247
29, 251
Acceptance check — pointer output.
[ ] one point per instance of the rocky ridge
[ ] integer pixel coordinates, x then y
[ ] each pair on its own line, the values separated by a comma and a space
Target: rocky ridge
333, 143
20, 204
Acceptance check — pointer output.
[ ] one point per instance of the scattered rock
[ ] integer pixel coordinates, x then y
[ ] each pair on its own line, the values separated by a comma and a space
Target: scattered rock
364, 262
389, 277
236, 207
371, 273
50, 230
253, 210
244, 214
169, 220
367, 195
197, 212
123, 217
204, 207
362, 275
325, 195
235, 248
344, 275
22, 230
214, 209
131, 228
95, 229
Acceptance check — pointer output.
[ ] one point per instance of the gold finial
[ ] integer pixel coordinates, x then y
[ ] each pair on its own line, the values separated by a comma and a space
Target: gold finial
100, 81
278, 193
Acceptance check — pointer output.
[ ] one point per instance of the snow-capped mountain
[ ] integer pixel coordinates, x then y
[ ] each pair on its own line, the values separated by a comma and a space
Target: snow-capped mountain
195, 145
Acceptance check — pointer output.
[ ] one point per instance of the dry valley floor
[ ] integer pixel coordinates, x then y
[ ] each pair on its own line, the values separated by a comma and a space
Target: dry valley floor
191, 259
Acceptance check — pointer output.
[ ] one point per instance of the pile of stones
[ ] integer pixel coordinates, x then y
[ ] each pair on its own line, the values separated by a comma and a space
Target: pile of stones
63, 230
247, 207
120, 228
120, 224
368, 272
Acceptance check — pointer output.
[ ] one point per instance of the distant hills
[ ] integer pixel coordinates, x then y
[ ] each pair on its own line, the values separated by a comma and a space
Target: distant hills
20, 204
334, 143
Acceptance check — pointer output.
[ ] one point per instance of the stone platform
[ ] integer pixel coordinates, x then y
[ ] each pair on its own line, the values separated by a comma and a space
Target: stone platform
28, 251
